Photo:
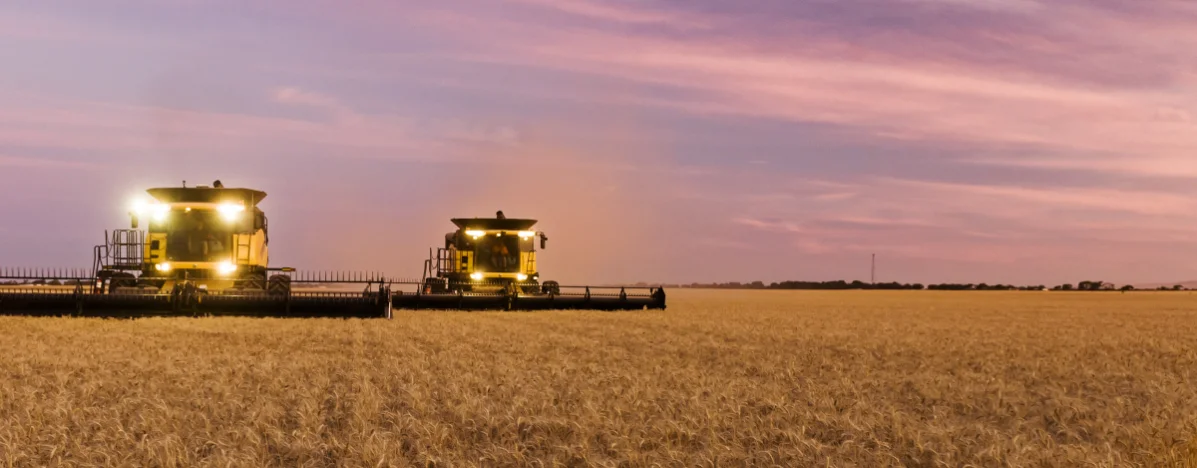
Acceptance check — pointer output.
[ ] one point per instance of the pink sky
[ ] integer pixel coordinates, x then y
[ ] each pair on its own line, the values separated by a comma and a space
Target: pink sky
1017, 141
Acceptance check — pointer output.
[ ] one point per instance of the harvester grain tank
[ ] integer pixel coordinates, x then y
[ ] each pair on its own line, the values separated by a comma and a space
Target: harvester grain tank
203, 250
490, 264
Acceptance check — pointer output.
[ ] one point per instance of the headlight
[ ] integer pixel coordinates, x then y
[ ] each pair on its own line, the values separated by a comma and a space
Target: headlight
527, 234
230, 211
476, 276
521, 277
163, 267
154, 209
475, 233
159, 211
225, 268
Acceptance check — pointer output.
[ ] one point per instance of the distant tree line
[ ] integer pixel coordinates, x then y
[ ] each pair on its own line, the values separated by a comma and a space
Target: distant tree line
861, 285
841, 284
984, 287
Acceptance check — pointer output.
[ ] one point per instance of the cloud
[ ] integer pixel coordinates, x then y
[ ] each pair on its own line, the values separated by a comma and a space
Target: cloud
914, 100
42, 163
294, 95
607, 11
1084, 91
725, 244
1020, 6
836, 196
110, 126
1021, 133
1140, 202
299, 97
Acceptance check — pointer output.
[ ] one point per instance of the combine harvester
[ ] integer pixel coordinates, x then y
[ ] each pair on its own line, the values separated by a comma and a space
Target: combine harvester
204, 252
490, 264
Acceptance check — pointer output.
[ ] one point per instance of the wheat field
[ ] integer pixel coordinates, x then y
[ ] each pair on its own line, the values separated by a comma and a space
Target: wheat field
722, 378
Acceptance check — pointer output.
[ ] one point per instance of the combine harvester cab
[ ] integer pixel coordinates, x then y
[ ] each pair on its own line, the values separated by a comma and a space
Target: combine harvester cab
204, 251
490, 264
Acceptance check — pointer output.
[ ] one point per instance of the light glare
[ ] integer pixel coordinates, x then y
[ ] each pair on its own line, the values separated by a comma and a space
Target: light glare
160, 210
230, 211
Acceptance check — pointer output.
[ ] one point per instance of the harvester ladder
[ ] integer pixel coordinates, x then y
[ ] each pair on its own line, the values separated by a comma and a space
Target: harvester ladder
530, 263
243, 246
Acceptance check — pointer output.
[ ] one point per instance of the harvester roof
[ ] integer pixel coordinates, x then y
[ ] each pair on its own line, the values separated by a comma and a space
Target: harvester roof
486, 224
207, 195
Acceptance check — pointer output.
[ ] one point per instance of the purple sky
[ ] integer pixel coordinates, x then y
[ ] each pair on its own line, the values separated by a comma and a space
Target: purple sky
1019, 141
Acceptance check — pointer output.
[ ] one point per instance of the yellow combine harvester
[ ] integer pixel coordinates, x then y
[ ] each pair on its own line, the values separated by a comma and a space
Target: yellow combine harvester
214, 237
490, 264
204, 250
487, 255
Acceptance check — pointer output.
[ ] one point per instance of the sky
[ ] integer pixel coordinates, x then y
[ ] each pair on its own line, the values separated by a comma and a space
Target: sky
1011, 141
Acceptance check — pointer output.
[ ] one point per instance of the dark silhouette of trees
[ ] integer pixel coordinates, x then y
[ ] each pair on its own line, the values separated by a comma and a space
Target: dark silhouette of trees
1091, 285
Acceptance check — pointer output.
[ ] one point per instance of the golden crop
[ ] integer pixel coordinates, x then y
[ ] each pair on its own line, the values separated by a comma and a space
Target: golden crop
721, 378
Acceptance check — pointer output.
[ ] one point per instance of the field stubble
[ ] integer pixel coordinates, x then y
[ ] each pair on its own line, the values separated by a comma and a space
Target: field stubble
721, 378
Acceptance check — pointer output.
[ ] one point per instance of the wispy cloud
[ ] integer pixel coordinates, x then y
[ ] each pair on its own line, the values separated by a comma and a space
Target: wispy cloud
42, 163
608, 11
904, 95
1021, 6
294, 95
784, 137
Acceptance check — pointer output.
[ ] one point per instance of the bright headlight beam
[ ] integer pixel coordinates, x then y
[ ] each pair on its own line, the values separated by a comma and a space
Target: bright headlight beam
476, 276
159, 211
225, 268
475, 233
163, 267
527, 234
521, 277
230, 211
